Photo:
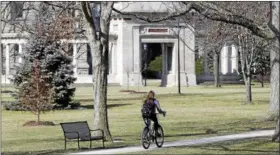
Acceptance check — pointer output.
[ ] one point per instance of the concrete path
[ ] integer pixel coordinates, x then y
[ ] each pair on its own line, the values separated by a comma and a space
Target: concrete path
253, 134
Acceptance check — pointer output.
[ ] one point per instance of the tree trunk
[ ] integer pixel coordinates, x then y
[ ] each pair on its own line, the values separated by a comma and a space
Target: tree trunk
100, 88
38, 116
99, 49
248, 90
216, 69
262, 81
274, 62
274, 84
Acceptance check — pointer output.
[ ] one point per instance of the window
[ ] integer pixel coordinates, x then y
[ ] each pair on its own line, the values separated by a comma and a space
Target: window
16, 51
169, 58
115, 28
16, 10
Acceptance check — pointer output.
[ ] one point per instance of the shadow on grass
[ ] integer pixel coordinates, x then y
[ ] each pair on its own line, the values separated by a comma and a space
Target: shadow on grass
140, 98
61, 151
185, 135
108, 106
118, 99
6, 91
52, 152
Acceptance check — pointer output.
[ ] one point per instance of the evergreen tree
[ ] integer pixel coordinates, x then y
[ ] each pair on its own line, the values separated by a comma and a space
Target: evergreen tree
45, 48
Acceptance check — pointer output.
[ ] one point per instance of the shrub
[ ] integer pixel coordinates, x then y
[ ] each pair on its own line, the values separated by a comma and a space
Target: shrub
14, 106
199, 66
156, 65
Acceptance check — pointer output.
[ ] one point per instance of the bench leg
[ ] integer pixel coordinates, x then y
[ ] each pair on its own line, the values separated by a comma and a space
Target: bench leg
78, 143
64, 144
103, 142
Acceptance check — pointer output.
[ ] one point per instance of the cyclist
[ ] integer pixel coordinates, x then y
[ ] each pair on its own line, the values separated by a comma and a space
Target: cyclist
149, 109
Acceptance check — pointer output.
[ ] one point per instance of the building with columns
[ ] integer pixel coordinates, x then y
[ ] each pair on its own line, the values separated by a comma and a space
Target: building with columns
229, 59
228, 66
127, 39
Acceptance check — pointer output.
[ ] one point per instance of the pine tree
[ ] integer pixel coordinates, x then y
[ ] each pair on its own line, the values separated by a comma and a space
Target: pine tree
54, 63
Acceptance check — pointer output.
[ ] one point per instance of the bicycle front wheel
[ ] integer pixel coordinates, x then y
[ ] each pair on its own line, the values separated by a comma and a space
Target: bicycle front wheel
145, 138
159, 137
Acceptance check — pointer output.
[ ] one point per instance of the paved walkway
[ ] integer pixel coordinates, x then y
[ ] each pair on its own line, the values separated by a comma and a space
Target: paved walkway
253, 134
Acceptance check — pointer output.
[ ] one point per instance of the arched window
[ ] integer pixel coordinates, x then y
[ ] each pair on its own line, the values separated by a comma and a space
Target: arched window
16, 51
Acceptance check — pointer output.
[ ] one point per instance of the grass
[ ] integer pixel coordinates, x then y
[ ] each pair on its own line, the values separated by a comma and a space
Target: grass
188, 117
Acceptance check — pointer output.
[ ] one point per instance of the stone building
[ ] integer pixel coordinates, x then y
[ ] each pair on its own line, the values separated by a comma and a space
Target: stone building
228, 66
128, 36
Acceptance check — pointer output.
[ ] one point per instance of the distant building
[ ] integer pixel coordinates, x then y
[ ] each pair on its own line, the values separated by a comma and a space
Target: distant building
128, 36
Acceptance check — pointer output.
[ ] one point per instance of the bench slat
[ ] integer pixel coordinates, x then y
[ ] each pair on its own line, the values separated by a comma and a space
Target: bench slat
79, 131
71, 130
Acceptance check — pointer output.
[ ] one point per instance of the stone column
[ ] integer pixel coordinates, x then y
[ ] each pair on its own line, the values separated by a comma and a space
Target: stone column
74, 62
76, 14
224, 60
113, 57
136, 50
20, 52
7, 59
136, 56
189, 39
234, 60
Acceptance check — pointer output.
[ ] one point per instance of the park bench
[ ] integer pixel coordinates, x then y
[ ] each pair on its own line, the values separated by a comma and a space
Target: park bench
79, 131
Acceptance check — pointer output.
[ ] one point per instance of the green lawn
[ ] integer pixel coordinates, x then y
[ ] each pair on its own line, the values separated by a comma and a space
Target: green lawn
188, 117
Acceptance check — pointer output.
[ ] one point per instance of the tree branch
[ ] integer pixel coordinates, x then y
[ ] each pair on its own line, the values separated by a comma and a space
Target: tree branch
89, 18
159, 19
60, 6
213, 12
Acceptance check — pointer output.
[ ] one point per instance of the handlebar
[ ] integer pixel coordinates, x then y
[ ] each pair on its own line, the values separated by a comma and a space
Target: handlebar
164, 114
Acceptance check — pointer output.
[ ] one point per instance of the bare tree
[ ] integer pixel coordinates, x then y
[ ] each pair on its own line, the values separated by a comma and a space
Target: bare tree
247, 48
262, 64
218, 12
127, 71
98, 16
38, 97
213, 36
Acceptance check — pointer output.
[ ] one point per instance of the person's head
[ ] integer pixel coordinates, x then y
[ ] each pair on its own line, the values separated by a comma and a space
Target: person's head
151, 94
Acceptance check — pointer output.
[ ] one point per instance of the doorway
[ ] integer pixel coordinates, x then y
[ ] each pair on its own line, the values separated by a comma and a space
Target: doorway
156, 63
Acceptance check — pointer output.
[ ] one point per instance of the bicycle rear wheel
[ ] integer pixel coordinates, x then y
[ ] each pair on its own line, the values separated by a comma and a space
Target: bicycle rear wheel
159, 137
145, 140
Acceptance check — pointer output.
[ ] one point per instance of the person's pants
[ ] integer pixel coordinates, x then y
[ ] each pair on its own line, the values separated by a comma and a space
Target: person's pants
154, 118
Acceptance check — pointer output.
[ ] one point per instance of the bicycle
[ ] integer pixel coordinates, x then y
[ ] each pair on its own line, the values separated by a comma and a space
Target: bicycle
148, 134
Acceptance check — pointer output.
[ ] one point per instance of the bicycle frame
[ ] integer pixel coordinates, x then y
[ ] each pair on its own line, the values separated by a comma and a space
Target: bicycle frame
149, 134
150, 125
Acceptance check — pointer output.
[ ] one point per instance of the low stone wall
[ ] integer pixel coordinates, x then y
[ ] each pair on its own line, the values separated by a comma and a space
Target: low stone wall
266, 78
224, 78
